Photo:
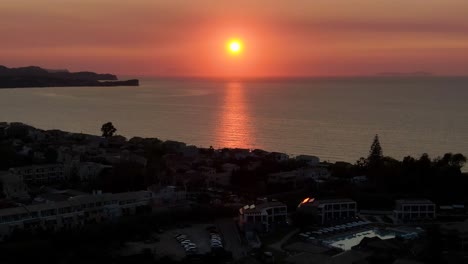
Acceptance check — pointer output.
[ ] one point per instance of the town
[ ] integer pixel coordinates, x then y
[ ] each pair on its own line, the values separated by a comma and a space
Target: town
111, 199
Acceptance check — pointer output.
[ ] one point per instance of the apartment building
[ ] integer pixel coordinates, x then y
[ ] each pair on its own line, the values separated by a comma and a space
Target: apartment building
263, 216
74, 211
40, 174
414, 210
329, 211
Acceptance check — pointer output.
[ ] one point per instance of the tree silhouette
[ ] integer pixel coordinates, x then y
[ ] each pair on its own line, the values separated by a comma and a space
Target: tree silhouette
375, 153
108, 129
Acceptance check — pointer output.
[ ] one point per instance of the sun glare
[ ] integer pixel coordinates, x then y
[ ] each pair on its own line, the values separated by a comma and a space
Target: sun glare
235, 46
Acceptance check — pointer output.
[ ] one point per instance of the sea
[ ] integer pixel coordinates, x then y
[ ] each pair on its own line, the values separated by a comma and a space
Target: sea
335, 119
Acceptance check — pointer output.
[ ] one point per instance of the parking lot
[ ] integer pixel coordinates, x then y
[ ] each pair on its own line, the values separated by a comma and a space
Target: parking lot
196, 233
166, 243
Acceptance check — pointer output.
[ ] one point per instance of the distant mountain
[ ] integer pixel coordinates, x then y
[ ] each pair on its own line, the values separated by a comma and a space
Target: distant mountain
34, 76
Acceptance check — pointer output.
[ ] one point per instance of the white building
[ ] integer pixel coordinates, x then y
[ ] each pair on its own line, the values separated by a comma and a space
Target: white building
330, 210
40, 174
414, 210
74, 211
262, 216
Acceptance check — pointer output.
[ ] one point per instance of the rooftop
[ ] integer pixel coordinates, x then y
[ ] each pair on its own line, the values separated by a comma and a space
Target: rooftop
261, 207
320, 202
414, 201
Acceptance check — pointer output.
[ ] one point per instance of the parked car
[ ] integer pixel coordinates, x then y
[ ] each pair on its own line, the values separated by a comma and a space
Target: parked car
181, 238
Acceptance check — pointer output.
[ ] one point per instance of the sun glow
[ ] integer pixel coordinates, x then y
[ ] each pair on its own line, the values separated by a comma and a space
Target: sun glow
234, 46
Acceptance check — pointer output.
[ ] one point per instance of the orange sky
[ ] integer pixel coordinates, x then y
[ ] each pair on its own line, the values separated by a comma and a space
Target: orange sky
281, 38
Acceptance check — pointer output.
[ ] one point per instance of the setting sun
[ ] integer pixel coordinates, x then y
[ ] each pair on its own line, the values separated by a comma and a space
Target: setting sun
234, 46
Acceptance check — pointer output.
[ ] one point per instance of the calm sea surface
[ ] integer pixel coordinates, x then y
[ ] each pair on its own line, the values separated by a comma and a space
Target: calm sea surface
334, 119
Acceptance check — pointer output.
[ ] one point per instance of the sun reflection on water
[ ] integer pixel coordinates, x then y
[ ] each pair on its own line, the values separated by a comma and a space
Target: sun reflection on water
235, 125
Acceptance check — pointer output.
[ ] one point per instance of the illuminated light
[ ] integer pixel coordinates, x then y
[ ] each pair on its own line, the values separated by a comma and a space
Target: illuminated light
306, 200
234, 46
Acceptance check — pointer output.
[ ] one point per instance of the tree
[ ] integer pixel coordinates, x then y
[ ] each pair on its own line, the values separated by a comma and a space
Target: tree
108, 129
375, 153
458, 160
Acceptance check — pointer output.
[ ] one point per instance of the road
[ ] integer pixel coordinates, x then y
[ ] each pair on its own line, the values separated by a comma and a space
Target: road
231, 236
279, 245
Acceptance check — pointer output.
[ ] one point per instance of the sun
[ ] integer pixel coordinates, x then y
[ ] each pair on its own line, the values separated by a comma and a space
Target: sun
234, 46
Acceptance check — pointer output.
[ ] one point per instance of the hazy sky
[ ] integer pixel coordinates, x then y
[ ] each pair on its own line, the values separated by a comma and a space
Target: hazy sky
281, 38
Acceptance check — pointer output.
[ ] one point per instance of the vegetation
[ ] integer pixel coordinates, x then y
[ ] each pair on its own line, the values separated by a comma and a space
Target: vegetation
439, 179
108, 130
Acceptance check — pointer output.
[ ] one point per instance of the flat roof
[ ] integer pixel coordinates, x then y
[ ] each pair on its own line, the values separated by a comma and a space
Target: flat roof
262, 206
414, 201
342, 200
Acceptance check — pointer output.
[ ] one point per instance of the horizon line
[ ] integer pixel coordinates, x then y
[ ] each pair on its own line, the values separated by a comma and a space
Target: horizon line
292, 77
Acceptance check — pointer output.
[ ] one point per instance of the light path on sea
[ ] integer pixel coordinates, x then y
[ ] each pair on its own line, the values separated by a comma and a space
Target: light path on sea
334, 119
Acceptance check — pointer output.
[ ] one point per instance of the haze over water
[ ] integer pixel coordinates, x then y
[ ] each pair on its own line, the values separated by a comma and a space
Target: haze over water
334, 119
